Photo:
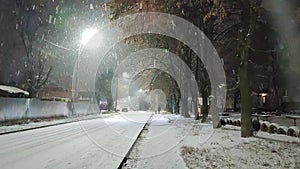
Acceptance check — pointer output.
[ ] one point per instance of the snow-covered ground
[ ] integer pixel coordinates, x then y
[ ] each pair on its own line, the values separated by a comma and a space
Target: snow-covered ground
175, 142
46, 122
89, 144
170, 142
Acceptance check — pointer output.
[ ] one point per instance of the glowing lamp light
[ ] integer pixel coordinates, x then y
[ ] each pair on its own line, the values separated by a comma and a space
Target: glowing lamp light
87, 35
264, 94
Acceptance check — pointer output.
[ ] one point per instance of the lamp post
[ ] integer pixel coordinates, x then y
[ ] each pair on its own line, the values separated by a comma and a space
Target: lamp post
85, 37
117, 88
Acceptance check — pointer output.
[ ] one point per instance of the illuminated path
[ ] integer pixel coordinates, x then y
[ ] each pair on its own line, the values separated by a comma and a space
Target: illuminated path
98, 143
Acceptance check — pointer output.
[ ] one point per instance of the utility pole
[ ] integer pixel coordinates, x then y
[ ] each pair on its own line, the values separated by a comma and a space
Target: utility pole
117, 85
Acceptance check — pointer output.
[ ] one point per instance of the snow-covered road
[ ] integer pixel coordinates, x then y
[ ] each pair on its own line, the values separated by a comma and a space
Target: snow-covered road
98, 143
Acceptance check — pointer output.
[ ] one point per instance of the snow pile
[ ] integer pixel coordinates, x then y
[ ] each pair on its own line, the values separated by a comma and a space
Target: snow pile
11, 89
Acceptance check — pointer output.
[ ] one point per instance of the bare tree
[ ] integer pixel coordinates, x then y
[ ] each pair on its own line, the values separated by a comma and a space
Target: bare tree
37, 62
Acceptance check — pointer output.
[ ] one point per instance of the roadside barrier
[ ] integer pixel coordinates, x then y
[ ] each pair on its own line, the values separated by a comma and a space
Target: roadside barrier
272, 128
293, 131
265, 126
282, 130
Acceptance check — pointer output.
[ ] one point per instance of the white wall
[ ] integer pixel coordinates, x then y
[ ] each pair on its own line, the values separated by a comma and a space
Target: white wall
18, 108
40, 108
12, 108
85, 108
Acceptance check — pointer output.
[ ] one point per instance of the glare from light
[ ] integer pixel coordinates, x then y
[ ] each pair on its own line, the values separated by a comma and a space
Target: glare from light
87, 35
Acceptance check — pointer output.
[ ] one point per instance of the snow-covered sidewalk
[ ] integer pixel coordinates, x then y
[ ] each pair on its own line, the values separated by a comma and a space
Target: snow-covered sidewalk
47, 122
174, 142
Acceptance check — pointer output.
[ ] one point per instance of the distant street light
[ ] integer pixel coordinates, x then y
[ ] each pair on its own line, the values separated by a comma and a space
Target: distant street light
85, 37
125, 75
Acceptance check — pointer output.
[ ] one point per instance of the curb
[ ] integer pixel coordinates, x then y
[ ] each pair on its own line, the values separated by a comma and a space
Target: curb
134, 143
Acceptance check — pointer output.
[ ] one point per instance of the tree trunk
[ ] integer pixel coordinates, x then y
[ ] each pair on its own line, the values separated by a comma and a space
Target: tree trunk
204, 109
184, 106
177, 106
195, 106
276, 95
248, 20
235, 101
246, 101
197, 115
275, 84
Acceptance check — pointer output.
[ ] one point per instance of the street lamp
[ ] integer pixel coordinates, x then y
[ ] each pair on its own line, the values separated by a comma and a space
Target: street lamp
85, 37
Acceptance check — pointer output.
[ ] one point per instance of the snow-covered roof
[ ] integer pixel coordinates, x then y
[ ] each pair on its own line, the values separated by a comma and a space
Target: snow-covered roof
11, 89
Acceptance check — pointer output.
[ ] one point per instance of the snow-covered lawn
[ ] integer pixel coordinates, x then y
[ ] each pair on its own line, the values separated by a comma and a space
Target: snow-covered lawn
175, 142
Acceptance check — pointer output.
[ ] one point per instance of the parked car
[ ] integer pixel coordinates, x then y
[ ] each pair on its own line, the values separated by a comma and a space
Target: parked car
125, 109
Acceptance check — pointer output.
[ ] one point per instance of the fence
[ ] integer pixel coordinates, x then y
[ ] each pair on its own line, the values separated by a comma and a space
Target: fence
18, 108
